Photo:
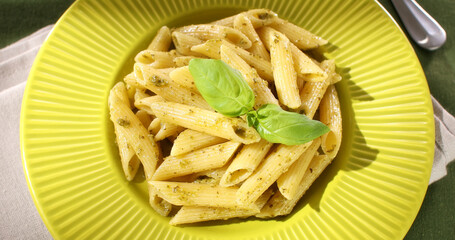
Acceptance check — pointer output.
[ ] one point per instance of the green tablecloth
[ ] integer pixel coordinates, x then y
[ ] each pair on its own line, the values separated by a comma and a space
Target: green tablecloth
436, 219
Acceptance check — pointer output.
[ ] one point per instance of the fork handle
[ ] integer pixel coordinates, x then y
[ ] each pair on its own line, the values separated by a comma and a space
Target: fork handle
420, 25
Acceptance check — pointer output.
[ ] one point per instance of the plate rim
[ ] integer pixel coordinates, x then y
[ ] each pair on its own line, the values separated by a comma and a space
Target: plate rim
63, 18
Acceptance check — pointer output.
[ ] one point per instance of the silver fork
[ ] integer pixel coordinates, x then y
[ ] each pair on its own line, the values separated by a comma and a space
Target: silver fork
420, 25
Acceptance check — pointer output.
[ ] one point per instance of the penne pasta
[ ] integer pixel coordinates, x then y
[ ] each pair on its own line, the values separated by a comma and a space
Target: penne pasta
278, 205
288, 183
167, 130
212, 176
245, 163
130, 162
211, 48
330, 68
209, 122
275, 164
131, 84
144, 103
262, 92
197, 194
258, 18
313, 92
140, 94
156, 59
302, 38
135, 133
161, 84
182, 61
183, 43
330, 114
284, 74
197, 161
244, 25
305, 67
155, 126
211, 31
162, 40
161, 206
144, 117
120, 91
132, 87
192, 214
183, 77
201, 165
191, 140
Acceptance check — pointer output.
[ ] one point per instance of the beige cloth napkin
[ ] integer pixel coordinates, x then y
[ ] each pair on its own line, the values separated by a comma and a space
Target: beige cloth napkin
444, 149
19, 217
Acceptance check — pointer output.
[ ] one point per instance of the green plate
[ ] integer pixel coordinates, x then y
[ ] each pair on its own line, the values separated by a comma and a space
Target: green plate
373, 189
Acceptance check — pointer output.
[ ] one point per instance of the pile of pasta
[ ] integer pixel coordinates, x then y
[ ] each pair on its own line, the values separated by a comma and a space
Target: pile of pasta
201, 165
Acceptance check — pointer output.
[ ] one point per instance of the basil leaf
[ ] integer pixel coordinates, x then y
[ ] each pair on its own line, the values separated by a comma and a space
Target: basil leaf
222, 87
279, 126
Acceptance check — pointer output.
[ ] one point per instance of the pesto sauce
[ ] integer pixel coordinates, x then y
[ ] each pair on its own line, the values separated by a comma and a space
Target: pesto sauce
157, 81
123, 122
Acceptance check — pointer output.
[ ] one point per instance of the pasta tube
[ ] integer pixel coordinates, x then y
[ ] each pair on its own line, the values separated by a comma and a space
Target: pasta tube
209, 122
284, 74
161, 84
197, 194
144, 117
182, 61
192, 214
278, 205
305, 67
130, 162
135, 133
161, 206
156, 59
275, 164
288, 183
262, 92
191, 140
183, 43
161, 41
245, 162
197, 161
302, 38
183, 77
313, 92
243, 24
209, 176
144, 103
201, 165
208, 31
154, 126
211, 48
258, 18
330, 115
167, 130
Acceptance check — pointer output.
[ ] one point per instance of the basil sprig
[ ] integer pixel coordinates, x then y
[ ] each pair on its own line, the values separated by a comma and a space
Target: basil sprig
228, 93
279, 126
222, 87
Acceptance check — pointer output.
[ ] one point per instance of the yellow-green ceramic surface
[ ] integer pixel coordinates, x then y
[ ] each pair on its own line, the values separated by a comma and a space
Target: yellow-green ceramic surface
373, 189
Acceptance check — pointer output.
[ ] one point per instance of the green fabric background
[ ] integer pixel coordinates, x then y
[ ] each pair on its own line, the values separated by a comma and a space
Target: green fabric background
436, 219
